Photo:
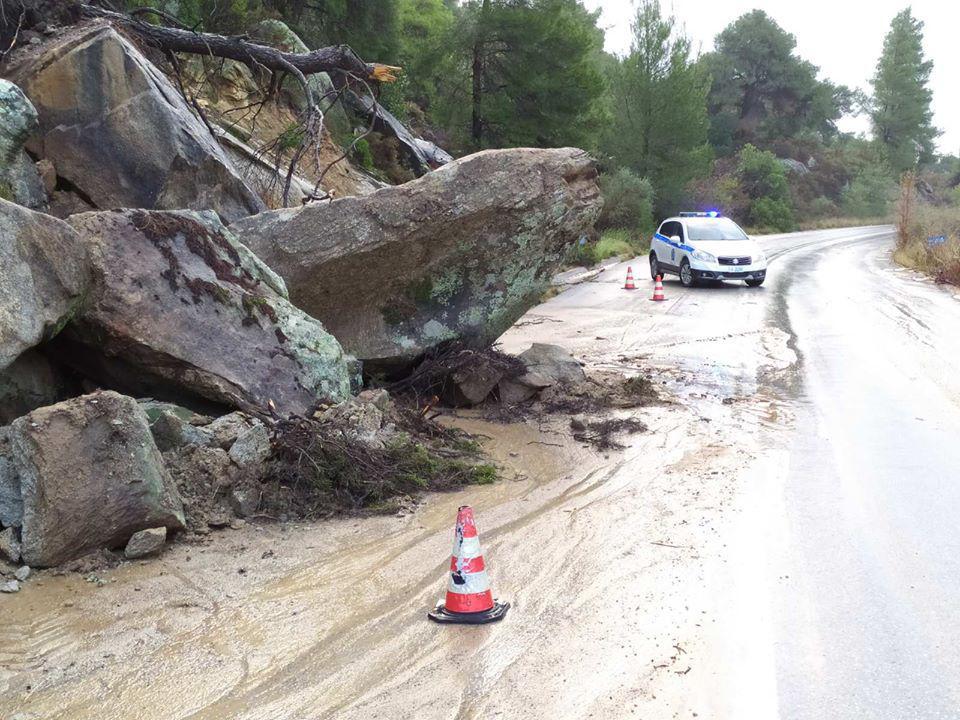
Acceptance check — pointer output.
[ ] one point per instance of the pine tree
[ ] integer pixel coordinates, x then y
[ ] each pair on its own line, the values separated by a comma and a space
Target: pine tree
658, 105
902, 119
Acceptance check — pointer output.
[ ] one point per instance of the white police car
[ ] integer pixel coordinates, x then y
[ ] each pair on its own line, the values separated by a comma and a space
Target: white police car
705, 246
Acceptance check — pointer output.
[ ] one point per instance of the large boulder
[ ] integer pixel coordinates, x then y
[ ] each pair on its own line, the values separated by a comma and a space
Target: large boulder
19, 179
119, 132
43, 278
177, 306
462, 252
90, 476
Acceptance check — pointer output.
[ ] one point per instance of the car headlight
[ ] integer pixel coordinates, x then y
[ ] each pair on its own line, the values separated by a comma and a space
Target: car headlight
760, 257
704, 256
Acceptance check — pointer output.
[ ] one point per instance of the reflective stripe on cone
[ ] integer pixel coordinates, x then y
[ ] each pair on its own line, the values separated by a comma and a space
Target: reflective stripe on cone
469, 597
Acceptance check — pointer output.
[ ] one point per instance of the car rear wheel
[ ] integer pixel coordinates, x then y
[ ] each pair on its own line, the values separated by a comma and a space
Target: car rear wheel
654, 267
754, 282
686, 274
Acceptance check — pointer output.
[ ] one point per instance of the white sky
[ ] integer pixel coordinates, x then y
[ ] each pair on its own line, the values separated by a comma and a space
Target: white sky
843, 38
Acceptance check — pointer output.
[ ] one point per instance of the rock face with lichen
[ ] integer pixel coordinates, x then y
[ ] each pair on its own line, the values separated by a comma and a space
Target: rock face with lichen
89, 476
460, 253
179, 309
120, 134
43, 278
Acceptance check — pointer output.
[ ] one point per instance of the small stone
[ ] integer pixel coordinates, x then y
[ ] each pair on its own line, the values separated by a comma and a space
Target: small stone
10, 545
11, 586
145, 542
22, 573
244, 502
252, 446
577, 424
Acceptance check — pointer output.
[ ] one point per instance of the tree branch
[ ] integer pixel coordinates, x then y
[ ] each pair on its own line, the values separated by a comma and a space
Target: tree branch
336, 58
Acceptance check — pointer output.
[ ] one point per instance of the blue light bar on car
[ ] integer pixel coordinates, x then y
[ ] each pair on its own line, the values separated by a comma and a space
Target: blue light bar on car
709, 213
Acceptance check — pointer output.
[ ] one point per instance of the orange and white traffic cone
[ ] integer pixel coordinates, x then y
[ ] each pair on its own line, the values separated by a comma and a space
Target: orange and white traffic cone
629, 284
469, 598
658, 290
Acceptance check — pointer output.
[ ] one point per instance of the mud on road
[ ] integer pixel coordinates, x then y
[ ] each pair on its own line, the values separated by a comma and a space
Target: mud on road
608, 559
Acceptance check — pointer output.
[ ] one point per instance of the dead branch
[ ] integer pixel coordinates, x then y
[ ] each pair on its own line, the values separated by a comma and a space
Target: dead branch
336, 58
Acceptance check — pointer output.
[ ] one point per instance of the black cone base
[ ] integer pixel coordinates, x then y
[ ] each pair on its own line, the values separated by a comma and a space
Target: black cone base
497, 612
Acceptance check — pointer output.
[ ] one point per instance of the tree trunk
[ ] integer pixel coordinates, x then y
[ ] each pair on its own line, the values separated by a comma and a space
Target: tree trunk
479, 48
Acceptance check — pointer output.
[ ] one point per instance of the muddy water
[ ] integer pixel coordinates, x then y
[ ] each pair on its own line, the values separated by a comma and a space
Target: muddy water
609, 561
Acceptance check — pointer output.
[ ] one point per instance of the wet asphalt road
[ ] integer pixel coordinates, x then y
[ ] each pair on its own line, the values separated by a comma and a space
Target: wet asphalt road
842, 594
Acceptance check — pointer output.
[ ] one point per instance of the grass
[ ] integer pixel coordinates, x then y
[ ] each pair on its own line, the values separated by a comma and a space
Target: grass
914, 251
613, 243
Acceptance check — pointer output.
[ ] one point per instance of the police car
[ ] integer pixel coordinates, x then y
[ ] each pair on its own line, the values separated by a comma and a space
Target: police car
699, 246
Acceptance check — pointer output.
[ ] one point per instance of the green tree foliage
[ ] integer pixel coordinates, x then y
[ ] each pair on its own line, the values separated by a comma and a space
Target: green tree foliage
902, 119
627, 202
658, 106
870, 194
533, 69
762, 91
764, 180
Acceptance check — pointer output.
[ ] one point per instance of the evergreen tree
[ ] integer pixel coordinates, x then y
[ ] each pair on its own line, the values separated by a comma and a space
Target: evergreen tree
658, 106
762, 92
902, 119
534, 72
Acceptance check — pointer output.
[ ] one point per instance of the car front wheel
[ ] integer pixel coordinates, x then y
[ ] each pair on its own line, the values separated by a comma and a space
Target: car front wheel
754, 282
686, 274
655, 270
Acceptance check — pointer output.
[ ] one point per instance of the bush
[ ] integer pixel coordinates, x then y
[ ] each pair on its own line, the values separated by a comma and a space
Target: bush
769, 214
627, 202
762, 175
614, 243
870, 194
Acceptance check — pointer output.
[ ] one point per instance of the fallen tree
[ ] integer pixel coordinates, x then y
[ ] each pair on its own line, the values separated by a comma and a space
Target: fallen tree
340, 61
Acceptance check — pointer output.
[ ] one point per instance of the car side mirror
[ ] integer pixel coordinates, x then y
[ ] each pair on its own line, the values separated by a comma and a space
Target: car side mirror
675, 238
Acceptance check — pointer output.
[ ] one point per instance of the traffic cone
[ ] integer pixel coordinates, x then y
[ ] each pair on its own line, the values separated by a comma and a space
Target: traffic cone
469, 598
629, 284
658, 290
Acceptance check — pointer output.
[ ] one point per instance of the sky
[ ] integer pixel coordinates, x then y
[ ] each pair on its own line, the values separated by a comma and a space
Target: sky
843, 39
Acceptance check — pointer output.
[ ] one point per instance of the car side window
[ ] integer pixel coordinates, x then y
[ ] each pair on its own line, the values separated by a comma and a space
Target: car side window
679, 232
663, 229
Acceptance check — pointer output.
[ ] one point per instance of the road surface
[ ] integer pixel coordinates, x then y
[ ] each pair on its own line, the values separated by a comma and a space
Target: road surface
781, 544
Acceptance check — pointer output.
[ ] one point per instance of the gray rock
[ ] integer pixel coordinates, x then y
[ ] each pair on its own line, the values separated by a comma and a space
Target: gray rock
252, 446
459, 253
224, 431
523, 388
244, 501
794, 166
170, 432
11, 504
10, 586
22, 573
43, 277
119, 131
553, 362
179, 308
145, 542
18, 118
475, 383
10, 547
90, 476
358, 420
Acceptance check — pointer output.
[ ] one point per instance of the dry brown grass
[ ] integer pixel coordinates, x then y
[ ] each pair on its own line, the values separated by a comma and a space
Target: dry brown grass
922, 222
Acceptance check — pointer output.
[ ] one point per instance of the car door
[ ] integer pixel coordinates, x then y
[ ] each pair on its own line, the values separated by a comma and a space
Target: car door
668, 253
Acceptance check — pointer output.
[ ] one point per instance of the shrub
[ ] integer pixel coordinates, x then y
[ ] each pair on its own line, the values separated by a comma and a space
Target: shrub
769, 214
870, 194
627, 201
614, 243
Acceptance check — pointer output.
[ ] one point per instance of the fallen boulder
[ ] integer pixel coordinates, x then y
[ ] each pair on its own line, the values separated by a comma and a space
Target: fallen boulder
119, 132
43, 278
90, 476
178, 307
460, 253
554, 363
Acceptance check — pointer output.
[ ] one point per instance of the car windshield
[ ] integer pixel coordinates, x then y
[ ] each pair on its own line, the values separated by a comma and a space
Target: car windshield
714, 229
